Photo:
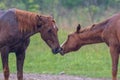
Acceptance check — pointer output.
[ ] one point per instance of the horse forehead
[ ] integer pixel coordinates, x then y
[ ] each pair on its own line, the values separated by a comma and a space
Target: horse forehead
54, 26
52, 21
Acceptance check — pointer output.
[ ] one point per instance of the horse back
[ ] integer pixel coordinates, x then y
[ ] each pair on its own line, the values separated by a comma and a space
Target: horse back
2, 12
7, 17
8, 26
111, 33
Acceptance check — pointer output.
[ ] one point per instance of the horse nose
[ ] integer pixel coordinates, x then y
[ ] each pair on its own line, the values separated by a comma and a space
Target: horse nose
61, 51
56, 50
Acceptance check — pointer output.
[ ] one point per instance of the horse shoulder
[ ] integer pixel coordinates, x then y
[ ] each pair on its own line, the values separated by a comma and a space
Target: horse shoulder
111, 32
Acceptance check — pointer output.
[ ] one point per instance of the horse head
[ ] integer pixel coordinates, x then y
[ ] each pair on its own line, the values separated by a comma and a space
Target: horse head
72, 43
48, 29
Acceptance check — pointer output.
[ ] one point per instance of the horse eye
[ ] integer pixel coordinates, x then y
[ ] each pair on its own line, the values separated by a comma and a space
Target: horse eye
50, 30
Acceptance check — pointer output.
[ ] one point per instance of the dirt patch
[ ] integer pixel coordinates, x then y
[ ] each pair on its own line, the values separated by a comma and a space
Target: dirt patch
49, 77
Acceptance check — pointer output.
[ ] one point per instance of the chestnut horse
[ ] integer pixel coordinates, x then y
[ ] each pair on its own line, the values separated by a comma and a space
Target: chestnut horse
16, 27
107, 31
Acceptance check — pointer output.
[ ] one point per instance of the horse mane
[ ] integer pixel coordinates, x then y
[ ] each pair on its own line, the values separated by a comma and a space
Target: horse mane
95, 26
27, 21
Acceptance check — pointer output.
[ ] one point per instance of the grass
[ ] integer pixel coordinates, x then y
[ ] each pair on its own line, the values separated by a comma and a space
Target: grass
89, 61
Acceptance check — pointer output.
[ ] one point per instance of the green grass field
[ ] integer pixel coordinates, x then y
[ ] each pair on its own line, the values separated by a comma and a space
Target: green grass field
89, 61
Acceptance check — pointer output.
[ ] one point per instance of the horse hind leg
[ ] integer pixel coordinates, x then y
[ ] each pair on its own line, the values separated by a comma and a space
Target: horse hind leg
4, 56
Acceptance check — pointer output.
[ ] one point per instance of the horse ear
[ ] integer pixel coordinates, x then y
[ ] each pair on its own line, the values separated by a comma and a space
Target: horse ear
78, 28
39, 18
93, 25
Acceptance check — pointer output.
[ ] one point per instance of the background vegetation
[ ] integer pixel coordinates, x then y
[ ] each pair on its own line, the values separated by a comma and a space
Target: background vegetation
90, 61
68, 12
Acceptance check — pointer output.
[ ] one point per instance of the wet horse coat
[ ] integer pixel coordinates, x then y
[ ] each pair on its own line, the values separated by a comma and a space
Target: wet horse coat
107, 31
16, 27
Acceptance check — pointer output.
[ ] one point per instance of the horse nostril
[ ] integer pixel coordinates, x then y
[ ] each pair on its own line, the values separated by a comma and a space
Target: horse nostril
60, 49
56, 50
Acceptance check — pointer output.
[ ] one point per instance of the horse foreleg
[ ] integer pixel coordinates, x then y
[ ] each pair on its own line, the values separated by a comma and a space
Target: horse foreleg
4, 56
115, 58
20, 55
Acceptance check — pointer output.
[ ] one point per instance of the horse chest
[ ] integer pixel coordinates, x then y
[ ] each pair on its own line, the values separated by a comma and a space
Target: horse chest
16, 46
23, 44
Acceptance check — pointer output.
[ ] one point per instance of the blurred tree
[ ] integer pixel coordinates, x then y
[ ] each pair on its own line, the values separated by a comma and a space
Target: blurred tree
71, 4
31, 5
64, 8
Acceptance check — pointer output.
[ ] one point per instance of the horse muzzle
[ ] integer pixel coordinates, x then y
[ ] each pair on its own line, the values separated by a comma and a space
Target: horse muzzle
56, 50
62, 52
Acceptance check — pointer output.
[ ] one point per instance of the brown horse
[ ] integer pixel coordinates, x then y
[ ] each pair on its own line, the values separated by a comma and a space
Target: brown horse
107, 31
16, 27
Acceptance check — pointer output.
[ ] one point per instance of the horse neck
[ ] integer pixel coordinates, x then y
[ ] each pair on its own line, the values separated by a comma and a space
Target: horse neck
92, 36
28, 34
27, 21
